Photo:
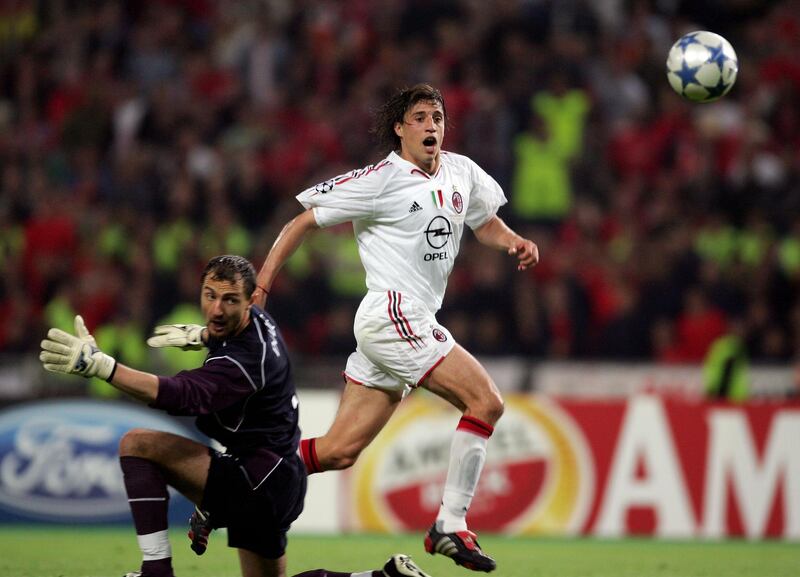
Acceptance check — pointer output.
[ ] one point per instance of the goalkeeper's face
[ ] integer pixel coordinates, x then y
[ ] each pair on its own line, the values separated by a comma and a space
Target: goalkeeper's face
225, 307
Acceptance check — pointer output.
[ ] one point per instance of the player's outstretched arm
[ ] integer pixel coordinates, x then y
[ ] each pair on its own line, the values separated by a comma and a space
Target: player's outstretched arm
497, 234
138, 384
79, 354
289, 239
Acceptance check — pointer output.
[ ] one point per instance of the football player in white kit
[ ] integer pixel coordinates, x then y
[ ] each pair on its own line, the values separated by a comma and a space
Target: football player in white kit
408, 213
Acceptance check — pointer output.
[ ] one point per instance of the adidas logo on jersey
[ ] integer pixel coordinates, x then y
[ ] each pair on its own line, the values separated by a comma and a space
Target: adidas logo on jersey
415, 207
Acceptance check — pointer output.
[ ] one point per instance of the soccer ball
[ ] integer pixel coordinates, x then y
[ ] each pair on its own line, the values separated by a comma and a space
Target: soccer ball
702, 66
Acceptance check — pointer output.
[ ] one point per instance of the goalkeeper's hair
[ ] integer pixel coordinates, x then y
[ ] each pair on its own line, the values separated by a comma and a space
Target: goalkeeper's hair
231, 267
394, 111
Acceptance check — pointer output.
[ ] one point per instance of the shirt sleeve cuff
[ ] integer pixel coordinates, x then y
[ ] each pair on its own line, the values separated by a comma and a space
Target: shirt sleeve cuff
166, 397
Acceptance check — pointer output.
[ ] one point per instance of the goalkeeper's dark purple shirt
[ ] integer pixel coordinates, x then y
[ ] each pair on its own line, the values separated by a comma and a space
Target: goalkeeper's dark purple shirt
244, 394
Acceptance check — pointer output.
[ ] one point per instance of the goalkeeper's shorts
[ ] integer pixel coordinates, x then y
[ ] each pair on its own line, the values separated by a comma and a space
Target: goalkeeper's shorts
257, 497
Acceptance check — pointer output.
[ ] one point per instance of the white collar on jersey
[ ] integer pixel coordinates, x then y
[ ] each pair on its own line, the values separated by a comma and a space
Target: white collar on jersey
406, 165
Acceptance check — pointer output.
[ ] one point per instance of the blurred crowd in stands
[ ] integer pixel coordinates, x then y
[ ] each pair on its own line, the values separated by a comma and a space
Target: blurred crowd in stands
140, 138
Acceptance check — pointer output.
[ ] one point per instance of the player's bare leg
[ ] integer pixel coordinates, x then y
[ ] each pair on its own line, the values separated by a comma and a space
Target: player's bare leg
362, 413
184, 462
254, 565
462, 381
150, 461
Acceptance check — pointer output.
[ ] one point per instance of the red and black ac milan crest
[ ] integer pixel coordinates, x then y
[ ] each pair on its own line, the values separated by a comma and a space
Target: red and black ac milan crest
458, 202
439, 335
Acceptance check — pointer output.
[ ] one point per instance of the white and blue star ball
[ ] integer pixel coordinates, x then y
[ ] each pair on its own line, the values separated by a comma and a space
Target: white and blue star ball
702, 66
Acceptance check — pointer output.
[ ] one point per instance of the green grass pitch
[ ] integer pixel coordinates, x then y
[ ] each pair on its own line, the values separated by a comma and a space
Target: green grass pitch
111, 552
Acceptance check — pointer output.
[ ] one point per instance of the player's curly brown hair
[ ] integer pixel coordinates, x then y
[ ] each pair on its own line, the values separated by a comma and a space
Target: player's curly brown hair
394, 110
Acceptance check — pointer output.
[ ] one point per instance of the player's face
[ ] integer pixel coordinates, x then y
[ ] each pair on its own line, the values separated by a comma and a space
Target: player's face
224, 306
421, 134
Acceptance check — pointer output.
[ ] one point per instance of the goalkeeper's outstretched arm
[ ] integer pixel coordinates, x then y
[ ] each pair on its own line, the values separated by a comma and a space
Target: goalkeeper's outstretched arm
138, 384
79, 354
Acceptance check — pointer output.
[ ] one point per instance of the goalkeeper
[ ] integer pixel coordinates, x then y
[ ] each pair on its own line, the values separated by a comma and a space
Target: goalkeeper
244, 397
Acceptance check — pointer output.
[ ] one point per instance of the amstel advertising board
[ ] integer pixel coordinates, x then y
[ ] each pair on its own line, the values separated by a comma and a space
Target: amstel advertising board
642, 466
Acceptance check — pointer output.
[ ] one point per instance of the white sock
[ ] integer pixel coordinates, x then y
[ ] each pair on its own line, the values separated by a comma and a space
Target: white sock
467, 456
155, 546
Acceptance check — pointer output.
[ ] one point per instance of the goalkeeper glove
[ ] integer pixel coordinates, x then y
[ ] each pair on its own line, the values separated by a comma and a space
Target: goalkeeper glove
76, 355
187, 337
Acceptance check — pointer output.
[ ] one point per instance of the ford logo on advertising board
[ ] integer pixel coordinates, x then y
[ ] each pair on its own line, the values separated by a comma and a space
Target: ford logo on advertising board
59, 459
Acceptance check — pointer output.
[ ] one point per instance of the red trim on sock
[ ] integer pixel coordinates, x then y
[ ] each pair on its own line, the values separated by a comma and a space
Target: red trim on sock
308, 453
476, 426
304, 454
312, 446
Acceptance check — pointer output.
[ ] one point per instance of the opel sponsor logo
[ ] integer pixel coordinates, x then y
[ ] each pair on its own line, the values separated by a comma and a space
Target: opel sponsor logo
438, 232
59, 462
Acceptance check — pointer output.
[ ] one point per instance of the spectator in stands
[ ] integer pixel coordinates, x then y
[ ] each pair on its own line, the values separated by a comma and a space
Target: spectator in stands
115, 114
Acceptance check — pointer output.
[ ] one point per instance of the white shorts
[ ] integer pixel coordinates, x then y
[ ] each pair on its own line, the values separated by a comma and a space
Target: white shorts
399, 342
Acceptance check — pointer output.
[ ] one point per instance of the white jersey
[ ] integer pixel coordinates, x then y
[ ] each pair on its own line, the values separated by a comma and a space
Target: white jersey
408, 224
